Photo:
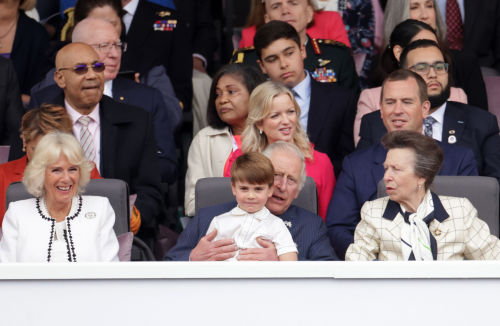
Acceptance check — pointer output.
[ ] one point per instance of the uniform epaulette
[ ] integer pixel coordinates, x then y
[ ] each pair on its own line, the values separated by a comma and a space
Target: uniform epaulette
315, 45
330, 42
240, 53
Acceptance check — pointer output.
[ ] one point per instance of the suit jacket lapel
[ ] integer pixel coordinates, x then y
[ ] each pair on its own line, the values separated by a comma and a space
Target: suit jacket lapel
108, 137
141, 26
453, 124
470, 9
120, 90
315, 117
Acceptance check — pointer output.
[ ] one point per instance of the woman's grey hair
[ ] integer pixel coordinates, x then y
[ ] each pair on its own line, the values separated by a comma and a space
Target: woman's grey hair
397, 11
428, 154
282, 146
261, 102
47, 152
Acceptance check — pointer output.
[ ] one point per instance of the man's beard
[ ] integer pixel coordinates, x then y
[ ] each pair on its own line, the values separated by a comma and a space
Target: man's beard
439, 99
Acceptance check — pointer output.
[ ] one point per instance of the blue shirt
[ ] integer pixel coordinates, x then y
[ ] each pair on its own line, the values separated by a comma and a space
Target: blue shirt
302, 93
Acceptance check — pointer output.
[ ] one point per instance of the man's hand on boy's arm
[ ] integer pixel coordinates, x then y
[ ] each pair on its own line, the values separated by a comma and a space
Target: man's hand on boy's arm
217, 250
267, 252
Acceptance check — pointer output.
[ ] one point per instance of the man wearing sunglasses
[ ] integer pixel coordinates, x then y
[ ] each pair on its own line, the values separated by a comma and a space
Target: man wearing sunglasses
103, 37
117, 137
449, 122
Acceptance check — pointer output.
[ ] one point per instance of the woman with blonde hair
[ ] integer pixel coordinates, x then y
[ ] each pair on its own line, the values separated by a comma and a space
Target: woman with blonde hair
34, 125
273, 115
59, 224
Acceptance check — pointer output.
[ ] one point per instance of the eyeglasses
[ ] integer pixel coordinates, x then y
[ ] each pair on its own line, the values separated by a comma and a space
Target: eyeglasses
82, 69
106, 47
279, 177
423, 68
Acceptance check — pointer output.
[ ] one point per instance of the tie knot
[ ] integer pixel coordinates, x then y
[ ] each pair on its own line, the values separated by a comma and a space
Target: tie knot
85, 120
295, 94
429, 120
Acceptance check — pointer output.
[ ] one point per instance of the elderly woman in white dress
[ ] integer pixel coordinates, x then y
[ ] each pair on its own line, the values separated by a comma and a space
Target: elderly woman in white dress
413, 223
59, 224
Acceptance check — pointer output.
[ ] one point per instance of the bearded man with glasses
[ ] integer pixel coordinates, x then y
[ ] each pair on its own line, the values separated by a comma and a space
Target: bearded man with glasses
449, 122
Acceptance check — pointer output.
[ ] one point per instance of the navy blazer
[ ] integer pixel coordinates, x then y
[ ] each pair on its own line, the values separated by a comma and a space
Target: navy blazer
473, 128
148, 47
362, 170
148, 98
330, 121
308, 231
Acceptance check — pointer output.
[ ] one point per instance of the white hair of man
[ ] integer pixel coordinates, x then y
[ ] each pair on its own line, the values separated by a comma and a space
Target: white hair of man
281, 146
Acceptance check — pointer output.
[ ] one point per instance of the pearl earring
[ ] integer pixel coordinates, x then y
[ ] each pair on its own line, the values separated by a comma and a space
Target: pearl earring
260, 131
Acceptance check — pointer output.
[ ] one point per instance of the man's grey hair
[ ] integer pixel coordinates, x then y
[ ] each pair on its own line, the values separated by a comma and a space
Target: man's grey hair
282, 146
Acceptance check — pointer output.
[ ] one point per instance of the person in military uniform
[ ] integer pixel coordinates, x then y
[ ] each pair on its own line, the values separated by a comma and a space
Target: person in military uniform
328, 61
154, 37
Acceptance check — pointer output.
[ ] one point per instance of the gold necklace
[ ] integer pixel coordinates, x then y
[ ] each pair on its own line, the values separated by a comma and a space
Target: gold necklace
8, 31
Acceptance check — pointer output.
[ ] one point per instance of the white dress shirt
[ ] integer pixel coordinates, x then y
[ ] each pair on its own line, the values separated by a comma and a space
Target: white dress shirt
129, 9
437, 127
108, 88
94, 128
303, 98
245, 228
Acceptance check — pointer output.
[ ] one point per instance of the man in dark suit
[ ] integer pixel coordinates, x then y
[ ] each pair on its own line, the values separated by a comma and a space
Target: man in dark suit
11, 109
327, 110
404, 105
102, 36
481, 29
308, 230
328, 61
453, 123
120, 137
154, 37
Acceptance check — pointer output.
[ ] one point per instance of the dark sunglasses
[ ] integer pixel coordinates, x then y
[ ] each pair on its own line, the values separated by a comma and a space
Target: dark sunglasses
82, 69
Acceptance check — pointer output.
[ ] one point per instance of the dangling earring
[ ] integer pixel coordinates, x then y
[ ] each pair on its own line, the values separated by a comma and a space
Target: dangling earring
260, 131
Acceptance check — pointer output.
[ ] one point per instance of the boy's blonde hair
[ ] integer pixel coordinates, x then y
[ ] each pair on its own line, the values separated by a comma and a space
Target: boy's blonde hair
254, 168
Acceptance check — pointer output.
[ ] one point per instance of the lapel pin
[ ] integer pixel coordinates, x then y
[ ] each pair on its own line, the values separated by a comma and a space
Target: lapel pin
90, 215
451, 132
288, 223
121, 98
452, 139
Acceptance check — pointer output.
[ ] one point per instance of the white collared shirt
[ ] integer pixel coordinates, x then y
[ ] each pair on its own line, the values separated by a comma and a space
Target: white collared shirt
245, 228
129, 9
442, 7
437, 127
108, 88
94, 128
303, 89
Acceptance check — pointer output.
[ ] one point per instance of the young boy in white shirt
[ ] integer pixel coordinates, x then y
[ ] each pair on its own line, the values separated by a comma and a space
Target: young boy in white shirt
252, 182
